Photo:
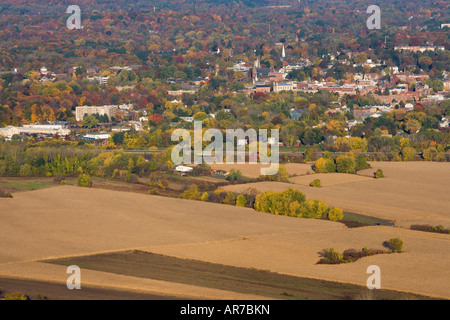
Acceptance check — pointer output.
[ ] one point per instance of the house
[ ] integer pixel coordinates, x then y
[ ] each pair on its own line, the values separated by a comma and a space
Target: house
187, 119
100, 79
184, 169
444, 123
262, 88
354, 122
199, 81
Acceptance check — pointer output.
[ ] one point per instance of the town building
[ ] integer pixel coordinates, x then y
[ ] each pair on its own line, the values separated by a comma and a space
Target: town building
418, 48
38, 129
277, 87
80, 112
100, 79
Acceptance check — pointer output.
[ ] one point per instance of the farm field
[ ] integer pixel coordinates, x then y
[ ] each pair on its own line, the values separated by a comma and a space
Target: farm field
410, 193
210, 275
254, 170
66, 222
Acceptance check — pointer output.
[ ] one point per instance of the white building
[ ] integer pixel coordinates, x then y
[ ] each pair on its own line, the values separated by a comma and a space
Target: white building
184, 169
277, 87
187, 119
98, 136
100, 79
40, 129
110, 111
444, 123
9, 131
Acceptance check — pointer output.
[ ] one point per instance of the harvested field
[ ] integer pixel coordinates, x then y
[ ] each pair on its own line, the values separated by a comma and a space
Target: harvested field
254, 170
68, 221
328, 179
410, 193
244, 280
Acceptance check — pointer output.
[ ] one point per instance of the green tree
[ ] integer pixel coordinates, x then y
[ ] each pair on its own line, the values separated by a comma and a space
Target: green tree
84, 180
379, 174
16, 296
90, 122
395, 244
281, 176
241, 200
335, 214
315, 183
345, 164
408, 153
331, 256
234, 175
192, 193
315, 209
230, 199
430, 154
323, 165
205, 196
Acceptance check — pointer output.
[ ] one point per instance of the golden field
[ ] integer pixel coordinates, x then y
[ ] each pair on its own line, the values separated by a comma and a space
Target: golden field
410, 193
69, 221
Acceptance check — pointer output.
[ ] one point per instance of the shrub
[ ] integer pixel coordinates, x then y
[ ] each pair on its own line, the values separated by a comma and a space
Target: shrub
394, 244
324, 165
430, 154
278, 203
314, 209
205, 196
281, 176
408, 153
379, 174
295, 209
345, 164
192, 193
84, 180
202, 169
241, 201
26, 170
361, 162
335, 214
218, 196
230, 199
428, 228
315, 183
330, 256
351, 255
16, 296
5, 194
234, 176
153, 192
